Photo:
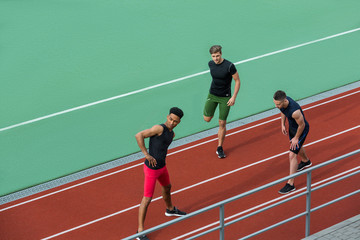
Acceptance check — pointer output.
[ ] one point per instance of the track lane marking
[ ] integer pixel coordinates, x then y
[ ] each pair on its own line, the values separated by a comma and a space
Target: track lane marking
171, 81
197, 184
172, 153
266, 203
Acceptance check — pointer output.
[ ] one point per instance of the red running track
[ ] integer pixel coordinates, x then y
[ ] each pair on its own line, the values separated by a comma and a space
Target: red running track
105, 206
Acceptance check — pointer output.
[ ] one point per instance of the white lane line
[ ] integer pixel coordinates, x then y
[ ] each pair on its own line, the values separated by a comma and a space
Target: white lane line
197, 184
172, 153
67, 188
297, 46
264, 204
100, 101
121, 170
171, 81
332, 100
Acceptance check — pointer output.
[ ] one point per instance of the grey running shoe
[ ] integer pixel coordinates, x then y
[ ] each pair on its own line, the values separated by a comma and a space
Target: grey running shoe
143, 237
287, 188
175, 212
303, 165
220, 152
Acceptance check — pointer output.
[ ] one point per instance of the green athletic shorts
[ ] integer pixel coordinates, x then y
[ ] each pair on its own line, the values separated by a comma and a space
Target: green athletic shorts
211, 103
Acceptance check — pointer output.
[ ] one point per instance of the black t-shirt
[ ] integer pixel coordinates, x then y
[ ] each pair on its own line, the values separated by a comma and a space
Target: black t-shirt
158, 147
222, 77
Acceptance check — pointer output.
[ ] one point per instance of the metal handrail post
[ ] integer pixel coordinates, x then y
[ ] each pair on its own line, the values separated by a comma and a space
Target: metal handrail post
308, 204
221, 204
222, 222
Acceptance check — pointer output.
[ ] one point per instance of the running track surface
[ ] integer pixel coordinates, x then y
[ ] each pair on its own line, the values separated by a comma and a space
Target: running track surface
105, 206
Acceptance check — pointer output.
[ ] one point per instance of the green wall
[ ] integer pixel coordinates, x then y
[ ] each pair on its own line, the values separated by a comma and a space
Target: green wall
57, 55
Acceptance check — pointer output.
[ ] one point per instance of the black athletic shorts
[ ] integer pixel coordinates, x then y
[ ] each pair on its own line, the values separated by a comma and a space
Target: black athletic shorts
292, 133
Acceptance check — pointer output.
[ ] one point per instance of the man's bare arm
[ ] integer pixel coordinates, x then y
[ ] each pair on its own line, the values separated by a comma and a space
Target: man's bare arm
301, 126
140, 137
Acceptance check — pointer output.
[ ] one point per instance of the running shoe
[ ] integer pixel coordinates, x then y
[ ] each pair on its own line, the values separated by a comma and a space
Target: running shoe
220, 152
143, 237
303, 165
287, 188
175, 212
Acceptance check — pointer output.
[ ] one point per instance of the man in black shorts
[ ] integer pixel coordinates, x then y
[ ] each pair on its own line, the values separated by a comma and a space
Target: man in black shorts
298, 130
155, 169
222, 72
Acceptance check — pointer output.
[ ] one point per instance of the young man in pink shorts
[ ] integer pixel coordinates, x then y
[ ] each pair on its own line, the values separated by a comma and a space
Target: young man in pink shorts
155, 166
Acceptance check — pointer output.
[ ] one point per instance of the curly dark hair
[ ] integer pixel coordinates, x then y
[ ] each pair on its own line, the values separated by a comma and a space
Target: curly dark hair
177, 111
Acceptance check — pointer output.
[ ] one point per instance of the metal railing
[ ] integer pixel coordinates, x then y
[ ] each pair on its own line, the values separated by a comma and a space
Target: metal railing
221, 205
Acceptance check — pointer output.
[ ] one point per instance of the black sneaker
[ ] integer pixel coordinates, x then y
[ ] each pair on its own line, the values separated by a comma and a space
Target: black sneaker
287, 188
175, 212
303, 165
143, 237
220, 152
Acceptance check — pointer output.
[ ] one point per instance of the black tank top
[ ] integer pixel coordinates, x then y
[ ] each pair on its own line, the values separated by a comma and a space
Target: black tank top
158, 147
291, 108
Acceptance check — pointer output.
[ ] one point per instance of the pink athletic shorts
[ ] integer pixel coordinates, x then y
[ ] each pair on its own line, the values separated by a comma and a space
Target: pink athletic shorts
151, 176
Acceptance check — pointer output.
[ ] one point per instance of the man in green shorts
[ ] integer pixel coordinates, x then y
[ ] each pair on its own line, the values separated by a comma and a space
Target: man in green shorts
222, 72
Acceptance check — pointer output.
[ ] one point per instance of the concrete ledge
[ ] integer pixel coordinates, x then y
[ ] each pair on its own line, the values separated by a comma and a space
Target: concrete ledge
348, 229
